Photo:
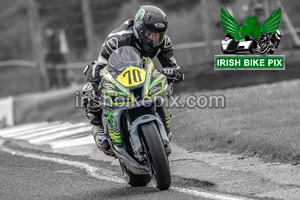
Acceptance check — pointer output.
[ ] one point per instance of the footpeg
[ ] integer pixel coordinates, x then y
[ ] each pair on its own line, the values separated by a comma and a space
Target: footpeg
110, 153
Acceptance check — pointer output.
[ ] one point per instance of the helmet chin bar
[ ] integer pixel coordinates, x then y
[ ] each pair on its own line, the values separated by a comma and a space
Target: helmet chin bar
147, 47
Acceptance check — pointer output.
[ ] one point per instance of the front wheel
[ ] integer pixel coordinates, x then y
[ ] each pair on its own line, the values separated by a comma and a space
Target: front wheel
158, 160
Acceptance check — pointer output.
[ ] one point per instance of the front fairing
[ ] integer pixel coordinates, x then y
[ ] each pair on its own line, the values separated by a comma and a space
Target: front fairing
133, 85
156, 82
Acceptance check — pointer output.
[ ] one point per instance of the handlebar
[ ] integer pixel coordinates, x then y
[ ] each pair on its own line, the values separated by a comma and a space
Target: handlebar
171, 79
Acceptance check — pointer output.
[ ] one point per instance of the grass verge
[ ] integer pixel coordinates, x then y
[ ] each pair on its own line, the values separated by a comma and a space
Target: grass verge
259, 121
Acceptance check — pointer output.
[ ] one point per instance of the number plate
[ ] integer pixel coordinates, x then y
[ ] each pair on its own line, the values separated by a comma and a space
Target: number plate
132, 76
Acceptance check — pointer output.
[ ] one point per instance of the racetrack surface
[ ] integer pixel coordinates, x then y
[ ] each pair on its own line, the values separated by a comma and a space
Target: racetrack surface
60, 161
30, 178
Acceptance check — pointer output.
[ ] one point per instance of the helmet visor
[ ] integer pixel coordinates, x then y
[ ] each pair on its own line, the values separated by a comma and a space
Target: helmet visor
154, 38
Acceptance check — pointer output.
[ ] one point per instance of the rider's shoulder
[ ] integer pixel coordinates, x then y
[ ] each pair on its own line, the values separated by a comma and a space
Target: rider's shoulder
167, 43
121, 36
124, 31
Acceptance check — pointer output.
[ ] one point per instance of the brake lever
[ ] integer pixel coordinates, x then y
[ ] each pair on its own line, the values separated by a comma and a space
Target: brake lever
171, 79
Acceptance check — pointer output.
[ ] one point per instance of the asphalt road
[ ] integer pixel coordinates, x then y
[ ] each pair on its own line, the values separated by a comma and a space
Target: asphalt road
24, 177
60, 161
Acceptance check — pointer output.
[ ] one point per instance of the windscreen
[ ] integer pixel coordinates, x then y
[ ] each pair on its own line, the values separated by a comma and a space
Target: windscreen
124, 57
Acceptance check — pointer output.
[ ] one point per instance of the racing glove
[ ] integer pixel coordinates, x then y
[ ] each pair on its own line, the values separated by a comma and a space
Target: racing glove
175, 73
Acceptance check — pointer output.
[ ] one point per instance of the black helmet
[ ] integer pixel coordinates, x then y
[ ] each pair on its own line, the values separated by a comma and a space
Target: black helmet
150, 27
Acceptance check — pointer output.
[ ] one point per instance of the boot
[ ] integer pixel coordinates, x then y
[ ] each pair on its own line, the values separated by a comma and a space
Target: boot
100, 138
168, 127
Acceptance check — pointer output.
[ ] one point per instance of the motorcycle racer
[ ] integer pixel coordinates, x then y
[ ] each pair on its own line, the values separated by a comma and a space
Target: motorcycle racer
268, 42
147, 33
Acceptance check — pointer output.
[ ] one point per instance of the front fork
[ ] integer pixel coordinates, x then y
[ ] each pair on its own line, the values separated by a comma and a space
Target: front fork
164, 111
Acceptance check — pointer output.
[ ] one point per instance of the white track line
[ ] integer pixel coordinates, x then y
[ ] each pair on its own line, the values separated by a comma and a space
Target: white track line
209, 195
106, 175
39, 131
53, 130
74, 142
33, 130
22, 128
44, 139
93, 171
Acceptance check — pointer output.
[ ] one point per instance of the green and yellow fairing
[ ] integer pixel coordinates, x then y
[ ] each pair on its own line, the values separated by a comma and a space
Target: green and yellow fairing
155, 81
120, 89
113, 90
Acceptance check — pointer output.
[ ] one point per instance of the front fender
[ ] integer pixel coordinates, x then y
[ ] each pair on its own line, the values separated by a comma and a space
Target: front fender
142, 120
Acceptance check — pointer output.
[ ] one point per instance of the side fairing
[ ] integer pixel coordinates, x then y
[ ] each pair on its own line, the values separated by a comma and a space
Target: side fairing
114, 92
155, 83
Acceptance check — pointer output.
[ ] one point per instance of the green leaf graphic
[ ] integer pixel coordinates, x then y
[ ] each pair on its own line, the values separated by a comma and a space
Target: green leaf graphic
229, 24
231, 27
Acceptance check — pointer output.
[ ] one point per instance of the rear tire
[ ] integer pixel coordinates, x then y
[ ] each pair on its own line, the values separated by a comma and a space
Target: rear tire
133, 179
156, 154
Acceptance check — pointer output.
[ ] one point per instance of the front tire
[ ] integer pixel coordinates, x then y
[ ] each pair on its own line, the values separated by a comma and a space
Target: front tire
158, 160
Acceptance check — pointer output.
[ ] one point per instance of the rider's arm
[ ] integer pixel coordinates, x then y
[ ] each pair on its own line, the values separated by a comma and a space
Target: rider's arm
165, 56
92, 71
168, 61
